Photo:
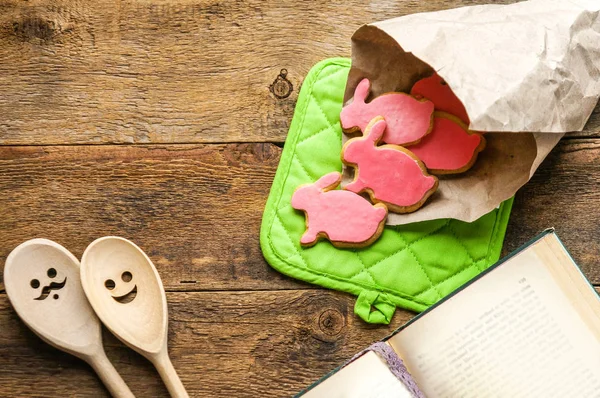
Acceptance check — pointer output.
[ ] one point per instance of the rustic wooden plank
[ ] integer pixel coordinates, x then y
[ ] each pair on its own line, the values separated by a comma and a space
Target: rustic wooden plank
196, 209
238, 344
167, 71
564, 193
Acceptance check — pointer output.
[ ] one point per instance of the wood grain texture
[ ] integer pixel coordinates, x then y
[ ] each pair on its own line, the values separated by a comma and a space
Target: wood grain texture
564, 193
229, 344
236, 344
196, 209
167, 71
192, 72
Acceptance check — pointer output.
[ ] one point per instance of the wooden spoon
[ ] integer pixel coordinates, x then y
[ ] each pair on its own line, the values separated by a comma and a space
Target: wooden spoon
126, 292
43, 285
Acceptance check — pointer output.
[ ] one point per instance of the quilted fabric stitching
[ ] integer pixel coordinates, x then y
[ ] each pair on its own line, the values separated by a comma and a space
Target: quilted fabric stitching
305, 172
313, 135
413, 298
303, 169
298, 252
453, 232
365, 269
324, 114
412, 252
486, 257
397, 294
407, 246
403, 248
322, 76
293, 155
318, 75
453, 276
379, 261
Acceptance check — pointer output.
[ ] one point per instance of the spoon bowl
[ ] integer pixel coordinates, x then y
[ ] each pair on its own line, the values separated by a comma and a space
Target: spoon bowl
42, 282
124, 288
126, 292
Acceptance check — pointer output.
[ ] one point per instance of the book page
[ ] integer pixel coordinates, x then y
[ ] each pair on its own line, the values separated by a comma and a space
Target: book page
366, 377
513, 333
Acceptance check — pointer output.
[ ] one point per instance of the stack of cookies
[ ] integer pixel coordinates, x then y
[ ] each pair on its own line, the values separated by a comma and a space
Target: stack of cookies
407, 140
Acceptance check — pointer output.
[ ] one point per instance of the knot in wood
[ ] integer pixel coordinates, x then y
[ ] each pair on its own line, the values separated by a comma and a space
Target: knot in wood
331, 322
34, 27
281, 86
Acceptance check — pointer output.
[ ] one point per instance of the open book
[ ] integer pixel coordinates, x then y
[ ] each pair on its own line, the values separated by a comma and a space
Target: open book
527, 327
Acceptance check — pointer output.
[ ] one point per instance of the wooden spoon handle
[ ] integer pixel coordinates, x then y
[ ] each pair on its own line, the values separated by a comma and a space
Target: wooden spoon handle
109, 376
165, 368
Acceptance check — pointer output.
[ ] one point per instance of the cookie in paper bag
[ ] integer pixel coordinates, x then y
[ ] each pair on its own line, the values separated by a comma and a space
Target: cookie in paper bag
390, 174
450, 148
408, 119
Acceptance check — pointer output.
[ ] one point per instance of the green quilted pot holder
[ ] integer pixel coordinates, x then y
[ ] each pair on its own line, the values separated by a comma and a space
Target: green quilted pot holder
410, 266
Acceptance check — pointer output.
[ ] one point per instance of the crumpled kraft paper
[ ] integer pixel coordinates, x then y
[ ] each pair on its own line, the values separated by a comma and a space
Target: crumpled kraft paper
526, 72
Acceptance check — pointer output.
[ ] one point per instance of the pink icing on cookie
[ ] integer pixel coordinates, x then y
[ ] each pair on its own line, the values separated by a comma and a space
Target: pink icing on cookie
343, 217
435, 89
449, 147
408, 119
389, 173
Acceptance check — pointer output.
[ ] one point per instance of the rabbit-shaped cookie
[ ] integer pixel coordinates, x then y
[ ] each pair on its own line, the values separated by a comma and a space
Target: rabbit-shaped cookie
450, 148
408, 119
390, 174
436, 90
343, 217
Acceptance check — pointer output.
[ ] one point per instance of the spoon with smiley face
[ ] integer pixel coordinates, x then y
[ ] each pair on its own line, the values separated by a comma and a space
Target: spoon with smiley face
43, 285
126, 292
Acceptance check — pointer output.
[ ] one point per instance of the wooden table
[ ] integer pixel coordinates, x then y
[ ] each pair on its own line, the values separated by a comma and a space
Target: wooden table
154, 120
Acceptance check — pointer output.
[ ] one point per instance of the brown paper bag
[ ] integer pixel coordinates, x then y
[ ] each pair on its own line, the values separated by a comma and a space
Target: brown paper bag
526, 73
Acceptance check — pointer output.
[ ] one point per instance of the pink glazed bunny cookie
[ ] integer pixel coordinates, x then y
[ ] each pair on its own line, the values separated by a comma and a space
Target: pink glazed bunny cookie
435, 89
390, 174
343, 217
450, 148
408, 119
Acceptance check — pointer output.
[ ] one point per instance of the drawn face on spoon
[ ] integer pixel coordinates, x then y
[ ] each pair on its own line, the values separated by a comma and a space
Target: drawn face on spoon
117, 285
126, 292
50, 286
43, 285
